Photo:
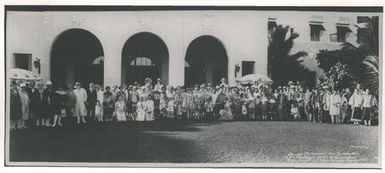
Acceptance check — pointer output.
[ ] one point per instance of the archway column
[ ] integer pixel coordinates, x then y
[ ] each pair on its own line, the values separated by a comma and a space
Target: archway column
176, 63
112, 62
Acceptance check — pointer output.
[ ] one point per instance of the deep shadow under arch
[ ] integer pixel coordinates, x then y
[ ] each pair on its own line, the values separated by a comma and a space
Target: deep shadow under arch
206, 61
77, 56
144, 55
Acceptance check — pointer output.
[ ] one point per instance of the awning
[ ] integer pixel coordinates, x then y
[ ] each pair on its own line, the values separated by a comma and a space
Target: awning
318, 26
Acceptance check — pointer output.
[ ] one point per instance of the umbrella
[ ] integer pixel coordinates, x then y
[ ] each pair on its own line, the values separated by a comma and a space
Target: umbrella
98, 60
21, 74
253, 78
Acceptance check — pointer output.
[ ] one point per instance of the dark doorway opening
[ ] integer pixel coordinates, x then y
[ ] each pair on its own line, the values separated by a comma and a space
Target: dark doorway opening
77, 56
144, 55
206, 61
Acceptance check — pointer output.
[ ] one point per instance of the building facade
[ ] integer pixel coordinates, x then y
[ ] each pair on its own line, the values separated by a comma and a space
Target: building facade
180, 47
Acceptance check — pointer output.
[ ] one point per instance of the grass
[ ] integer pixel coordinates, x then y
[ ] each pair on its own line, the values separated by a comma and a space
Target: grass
173, 141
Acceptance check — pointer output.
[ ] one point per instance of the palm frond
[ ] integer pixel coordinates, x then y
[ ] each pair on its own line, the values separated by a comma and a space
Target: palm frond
371, 73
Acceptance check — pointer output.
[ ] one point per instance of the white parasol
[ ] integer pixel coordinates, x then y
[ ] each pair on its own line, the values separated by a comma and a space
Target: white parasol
21, 74
254, 78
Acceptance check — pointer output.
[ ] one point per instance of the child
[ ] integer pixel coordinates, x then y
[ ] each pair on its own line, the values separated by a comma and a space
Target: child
294, 112
226, 113
163, 104
120, 109
99, 111
141, 110
58, 104
272, 108
243, 108
251, 108
178, 104
149, 109
209, 107
343, 112
170, 107
264, 107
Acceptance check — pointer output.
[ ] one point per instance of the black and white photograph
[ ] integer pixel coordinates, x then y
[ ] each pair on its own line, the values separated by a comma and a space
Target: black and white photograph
193, 86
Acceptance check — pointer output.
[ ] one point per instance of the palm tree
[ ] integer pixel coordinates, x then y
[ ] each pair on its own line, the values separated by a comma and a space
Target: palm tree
369, 45
371, 74
282, 66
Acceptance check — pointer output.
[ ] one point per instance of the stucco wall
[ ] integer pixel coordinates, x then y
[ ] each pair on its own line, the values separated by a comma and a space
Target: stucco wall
242, 33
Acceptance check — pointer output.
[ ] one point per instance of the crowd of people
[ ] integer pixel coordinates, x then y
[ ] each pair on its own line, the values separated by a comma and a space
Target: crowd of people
43, 106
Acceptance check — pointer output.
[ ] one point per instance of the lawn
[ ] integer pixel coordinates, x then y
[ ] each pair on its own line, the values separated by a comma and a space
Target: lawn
174, 141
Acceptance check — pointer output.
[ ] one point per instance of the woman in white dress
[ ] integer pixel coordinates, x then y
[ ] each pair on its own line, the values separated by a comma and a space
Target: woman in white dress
141, 110
335, 103
80, 107
120, 109
149, 109
24, 105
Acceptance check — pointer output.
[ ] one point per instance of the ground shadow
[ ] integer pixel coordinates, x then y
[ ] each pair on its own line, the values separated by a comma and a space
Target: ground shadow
107, 142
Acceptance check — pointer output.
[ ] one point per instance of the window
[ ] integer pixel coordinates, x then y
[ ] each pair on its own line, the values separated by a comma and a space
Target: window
363, 19
342, 32
362, 31
316, 32
23, 61
271, 25
142, 61
247, 67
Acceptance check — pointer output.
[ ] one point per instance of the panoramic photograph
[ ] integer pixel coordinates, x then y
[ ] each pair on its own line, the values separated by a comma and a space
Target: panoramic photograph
195, 86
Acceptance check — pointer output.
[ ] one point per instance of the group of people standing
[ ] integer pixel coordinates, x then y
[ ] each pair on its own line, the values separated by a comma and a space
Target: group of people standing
325, 104
44, 106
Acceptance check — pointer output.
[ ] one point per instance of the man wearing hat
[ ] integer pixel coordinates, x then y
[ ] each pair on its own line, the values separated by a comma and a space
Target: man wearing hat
50, 114
282, 100
158, 86
326, 104
15, 106
40, 104
91, 101
224, 83
81, 98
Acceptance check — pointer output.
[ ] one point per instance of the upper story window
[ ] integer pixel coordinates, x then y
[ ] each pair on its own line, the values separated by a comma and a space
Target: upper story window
362, 31
316, 32
271, 25
342, 33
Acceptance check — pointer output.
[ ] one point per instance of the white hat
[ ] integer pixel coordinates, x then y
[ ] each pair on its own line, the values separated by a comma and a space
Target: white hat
23, 85
48, 82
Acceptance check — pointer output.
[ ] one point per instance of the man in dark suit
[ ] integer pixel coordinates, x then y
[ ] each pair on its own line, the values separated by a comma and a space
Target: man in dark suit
91, 101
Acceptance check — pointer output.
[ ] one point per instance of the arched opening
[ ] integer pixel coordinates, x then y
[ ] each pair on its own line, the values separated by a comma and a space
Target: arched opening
206, 61
144, 55
77, 56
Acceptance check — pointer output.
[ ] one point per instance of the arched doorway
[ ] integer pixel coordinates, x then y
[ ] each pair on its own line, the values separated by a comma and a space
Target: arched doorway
206, 61
77, 56
144, 55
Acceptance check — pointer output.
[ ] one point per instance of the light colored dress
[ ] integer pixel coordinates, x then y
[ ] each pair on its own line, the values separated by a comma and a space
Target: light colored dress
24, 104
149, 110
227, 113
98, 110
335, 102
100, 96
80, 107
141, 111
120, 110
